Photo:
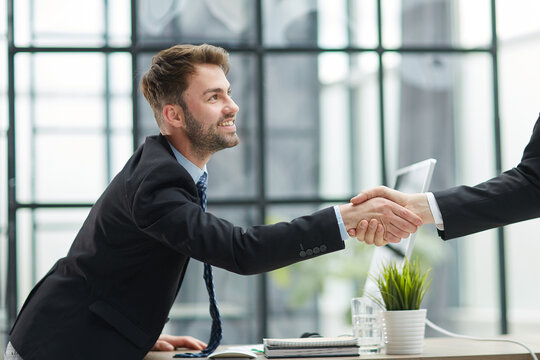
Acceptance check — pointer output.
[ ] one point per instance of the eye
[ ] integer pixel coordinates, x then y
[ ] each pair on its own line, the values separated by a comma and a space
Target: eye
213, 97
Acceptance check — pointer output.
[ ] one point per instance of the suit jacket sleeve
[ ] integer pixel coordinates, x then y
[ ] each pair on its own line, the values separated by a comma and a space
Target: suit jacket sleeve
166, 208
511, 197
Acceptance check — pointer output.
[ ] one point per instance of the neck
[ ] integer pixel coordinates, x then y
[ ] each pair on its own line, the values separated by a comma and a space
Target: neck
185, 148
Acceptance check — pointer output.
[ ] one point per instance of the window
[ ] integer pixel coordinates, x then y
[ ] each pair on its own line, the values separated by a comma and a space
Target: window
335, 95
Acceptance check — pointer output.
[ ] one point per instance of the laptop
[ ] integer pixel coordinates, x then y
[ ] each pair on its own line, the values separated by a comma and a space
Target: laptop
414, 178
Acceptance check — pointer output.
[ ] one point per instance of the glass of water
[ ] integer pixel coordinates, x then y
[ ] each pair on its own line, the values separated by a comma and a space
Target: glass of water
367, 324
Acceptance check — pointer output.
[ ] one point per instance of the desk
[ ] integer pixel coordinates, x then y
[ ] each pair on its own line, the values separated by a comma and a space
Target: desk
440, 348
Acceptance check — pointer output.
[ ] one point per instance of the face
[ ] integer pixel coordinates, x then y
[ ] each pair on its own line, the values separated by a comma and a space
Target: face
210, 114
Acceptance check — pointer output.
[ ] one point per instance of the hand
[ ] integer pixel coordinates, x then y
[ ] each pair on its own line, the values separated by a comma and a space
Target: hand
169, 343
415, 202
390, 223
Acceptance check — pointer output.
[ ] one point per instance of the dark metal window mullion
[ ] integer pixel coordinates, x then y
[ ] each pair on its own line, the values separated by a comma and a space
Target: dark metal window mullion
11, 286
498, 165
134, 51
262, 279
380, 75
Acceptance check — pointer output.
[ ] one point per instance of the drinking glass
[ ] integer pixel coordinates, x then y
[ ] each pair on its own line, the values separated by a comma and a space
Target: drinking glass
367, 324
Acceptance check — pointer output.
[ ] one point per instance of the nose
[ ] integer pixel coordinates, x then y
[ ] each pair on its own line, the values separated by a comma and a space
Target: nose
231, 106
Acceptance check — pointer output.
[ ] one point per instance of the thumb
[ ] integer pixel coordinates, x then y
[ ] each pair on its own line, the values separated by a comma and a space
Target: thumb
365, 195
360, 198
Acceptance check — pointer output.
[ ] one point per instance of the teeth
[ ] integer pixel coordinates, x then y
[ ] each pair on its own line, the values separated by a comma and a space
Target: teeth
227, 123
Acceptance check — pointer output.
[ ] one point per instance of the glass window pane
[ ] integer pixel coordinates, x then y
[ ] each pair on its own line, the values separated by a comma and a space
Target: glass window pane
292, 125
43, 237
71, 23
324, 101
323, 23
365, 148
517, 22
65, 109
437, 105
436, 23
119, 22
225, 22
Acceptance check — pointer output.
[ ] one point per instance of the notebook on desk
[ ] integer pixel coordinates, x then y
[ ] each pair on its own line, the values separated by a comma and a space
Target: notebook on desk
311, 347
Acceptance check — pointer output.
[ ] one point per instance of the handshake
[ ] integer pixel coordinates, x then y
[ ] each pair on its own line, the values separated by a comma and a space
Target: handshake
386, 215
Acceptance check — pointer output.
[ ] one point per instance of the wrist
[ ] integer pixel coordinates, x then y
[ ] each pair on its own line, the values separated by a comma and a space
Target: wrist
420, 206
346, 215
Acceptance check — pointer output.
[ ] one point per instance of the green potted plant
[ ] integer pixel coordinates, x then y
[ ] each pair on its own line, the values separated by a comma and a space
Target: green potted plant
402, 287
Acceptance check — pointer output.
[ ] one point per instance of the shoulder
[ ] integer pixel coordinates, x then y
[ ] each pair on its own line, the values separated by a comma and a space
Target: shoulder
153, 168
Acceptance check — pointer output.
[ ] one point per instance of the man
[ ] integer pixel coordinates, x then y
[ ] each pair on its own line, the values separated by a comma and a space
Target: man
511, 197
110, 296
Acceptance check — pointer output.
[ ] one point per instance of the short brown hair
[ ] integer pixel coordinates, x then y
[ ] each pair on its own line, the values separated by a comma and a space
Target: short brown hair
168, 77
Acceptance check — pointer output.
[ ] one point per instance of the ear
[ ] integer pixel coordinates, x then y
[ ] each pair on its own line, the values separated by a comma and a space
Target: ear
173, 115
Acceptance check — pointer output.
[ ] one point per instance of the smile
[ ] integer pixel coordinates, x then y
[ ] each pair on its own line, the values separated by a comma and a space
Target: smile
226, 123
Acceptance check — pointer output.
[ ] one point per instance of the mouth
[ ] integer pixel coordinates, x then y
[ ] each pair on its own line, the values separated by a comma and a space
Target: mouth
227, 123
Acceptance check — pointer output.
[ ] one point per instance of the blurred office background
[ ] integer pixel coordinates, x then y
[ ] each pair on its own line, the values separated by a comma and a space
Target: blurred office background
335, 95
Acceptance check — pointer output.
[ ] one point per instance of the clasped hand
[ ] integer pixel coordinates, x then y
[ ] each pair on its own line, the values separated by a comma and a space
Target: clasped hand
386, 215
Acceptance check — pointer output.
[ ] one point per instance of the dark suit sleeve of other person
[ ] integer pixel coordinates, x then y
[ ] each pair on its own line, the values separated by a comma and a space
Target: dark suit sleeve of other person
109, 298
511, 197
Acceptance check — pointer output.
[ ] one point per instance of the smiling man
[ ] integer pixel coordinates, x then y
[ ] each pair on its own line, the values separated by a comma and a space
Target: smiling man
109, 298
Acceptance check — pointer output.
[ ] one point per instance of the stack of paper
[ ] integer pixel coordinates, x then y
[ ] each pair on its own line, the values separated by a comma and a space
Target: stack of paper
311, 347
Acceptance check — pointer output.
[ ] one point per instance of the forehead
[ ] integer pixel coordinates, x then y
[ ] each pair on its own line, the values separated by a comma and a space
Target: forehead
207, 76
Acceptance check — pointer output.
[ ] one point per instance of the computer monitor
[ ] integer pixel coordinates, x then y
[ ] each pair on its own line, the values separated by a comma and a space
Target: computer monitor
414, 178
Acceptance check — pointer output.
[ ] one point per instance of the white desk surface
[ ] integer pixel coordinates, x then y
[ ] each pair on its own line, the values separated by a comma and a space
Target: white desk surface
439, 348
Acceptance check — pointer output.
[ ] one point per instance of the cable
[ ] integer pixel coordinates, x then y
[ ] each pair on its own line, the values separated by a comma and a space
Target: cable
448, 333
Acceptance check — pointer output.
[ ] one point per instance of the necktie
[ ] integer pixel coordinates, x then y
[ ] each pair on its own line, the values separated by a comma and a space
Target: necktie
215, 334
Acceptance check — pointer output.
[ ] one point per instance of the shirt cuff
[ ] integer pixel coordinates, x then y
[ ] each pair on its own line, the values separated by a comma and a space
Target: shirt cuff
435, 211
342, 229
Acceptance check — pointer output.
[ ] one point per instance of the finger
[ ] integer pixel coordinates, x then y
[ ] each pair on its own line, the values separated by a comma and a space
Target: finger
407, 215
391, 238
379, 236
191, 343
351, 232
360, 198
404, 226
184, 341
162, 345
370, 233
398, 231
361, 230
379, 191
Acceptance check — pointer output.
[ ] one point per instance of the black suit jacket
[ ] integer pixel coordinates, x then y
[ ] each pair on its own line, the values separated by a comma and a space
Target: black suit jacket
508, 198
110, 296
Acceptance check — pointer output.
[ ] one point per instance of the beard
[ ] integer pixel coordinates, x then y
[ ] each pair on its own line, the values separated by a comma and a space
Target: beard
207, 141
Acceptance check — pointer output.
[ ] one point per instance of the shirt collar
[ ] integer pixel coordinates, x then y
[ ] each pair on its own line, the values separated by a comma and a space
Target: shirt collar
194, 171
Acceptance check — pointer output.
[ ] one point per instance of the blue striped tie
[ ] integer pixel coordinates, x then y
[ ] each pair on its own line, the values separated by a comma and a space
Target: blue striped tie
215, 334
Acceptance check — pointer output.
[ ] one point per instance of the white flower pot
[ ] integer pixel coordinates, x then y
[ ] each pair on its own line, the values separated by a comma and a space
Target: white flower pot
404, 331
